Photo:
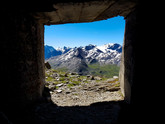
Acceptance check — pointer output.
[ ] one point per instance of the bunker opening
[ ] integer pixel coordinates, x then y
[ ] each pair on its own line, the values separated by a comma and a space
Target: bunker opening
82, 62
22, 36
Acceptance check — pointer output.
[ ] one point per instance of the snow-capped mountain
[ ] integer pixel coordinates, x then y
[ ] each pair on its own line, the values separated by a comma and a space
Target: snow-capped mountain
79, 58
64, 49
106, 54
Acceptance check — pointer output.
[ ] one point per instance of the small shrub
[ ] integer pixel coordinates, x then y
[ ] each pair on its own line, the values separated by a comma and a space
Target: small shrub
62, 79
117, 85
49, 79
76, 82
70, 85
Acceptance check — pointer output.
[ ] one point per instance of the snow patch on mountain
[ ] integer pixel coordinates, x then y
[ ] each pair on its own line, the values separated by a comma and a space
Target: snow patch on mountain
105, 47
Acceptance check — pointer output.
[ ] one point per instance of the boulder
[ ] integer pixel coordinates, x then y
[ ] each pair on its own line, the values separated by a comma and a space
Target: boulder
97, 78
47, 65
89, 77
55, 75
59, 85
115, 77
52, 87
58, 91
73, 73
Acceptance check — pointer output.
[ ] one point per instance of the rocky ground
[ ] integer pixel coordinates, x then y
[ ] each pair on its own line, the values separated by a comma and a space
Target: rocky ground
71, 89
77, 99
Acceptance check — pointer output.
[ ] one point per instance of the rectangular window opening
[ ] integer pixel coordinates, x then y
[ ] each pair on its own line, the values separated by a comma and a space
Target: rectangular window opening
85, 62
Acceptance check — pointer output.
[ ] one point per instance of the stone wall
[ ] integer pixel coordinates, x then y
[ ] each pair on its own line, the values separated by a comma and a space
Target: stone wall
22, 61
128, 61
76, 11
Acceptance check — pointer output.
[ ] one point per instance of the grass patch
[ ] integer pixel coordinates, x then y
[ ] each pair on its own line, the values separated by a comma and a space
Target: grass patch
62, 79
76, 82
70, 85
49, 79
117, 85
105, 71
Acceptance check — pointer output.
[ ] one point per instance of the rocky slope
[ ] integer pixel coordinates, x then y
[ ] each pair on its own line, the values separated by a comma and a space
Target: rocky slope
70, 89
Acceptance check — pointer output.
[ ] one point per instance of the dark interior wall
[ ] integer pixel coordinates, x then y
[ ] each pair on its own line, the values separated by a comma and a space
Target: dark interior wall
22, 64
22, 68
22, 59
138, 71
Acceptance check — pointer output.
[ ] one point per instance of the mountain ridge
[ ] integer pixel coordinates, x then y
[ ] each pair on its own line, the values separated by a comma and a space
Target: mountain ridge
77, 59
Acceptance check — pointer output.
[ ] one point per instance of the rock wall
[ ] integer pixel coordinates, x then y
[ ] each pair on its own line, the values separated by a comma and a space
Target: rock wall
22, 56
76, 11
128, 61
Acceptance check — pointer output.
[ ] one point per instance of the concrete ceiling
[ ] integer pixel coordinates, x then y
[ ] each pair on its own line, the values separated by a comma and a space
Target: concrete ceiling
76, 11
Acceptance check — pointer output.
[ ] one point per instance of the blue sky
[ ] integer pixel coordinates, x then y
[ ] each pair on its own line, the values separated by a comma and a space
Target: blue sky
82, 34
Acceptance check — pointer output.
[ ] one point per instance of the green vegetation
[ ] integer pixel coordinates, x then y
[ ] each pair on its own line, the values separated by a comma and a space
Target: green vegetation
113, 81
96, 72
49, 79
95, 69
117, 85
71, 79
70, 85
105, 71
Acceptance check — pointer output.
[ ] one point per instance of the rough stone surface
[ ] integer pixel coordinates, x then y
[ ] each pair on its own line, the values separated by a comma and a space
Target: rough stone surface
128, 61
85, 11
23, 63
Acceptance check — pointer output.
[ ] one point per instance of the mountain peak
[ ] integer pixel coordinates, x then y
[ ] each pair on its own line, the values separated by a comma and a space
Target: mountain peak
89, 47
88, 52
109, 46
79, 57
